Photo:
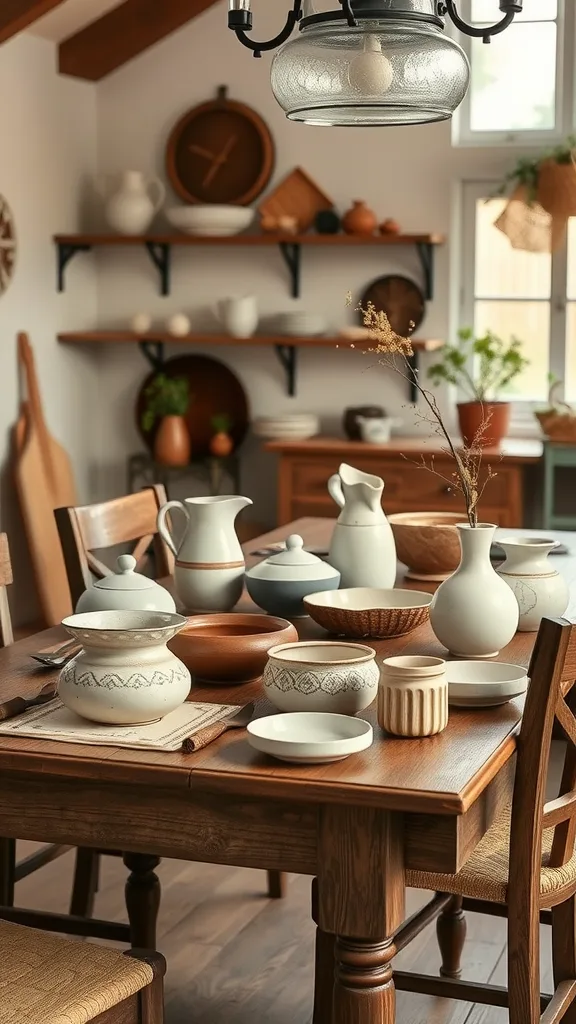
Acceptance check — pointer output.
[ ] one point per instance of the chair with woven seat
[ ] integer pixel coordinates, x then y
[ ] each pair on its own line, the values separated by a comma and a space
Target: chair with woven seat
524, 868
50, 980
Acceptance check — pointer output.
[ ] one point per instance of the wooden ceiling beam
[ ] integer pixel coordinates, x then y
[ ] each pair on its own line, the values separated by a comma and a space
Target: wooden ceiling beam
16, 15
123, 33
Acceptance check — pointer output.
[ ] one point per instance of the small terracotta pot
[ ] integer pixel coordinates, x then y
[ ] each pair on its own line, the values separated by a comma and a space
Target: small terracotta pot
359, 219
471, 416
172, 442
221, 444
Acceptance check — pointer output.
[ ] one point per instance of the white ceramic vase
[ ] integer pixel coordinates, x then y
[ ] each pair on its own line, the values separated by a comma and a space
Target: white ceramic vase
413, 696
125, 674
238, 315
131, 209
474, 613
362, 547
209, 572
539, 590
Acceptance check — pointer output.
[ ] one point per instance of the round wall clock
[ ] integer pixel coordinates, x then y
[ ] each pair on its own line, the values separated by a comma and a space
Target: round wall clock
401, 300
220, 152
7, 245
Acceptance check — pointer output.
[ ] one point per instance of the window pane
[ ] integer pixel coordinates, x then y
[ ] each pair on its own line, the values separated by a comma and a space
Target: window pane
530, 322
571, 288
514, 80
504, 272
570, 379
488, 12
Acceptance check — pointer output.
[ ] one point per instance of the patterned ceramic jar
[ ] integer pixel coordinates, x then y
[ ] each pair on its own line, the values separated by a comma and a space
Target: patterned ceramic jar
315, 676
413, 696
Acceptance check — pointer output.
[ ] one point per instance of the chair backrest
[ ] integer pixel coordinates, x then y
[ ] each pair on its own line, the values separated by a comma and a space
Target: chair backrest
6, 636
89, 528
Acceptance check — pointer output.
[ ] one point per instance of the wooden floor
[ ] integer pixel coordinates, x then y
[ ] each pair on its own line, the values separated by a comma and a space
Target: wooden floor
235, 957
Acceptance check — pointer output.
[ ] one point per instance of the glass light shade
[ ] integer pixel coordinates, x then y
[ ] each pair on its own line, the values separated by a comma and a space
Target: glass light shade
403, 73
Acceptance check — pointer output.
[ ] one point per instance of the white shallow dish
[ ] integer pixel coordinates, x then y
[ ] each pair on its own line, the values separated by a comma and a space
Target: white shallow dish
482, 684
307, 737
211, 221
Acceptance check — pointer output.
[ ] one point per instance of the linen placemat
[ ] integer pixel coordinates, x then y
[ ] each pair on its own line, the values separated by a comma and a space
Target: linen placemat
55, 722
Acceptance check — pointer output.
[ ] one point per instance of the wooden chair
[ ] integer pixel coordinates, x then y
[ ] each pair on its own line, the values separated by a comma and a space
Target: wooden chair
523, 869
45, 978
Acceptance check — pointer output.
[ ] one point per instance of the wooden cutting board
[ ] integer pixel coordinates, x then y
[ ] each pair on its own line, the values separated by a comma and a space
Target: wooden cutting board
44, 481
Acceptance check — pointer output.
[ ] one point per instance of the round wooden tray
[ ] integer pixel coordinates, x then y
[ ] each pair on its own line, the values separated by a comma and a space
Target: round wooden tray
214, 390
401, 300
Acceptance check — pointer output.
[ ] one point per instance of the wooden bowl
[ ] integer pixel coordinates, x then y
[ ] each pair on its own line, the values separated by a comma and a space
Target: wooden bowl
428, 543
365, 612
231, 648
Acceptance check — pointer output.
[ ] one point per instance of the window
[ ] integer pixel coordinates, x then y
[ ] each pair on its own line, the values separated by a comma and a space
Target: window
531, 296
518, 90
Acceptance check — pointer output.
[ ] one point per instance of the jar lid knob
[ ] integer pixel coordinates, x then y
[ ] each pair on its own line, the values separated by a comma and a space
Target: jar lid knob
294, 542
126, 563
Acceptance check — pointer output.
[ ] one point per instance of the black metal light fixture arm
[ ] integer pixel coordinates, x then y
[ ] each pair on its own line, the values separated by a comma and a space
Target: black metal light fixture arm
509, 9
240, 21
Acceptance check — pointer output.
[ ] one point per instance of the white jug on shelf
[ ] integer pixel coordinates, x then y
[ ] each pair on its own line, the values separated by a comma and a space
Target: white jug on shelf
131, 208
238, 315
362, 547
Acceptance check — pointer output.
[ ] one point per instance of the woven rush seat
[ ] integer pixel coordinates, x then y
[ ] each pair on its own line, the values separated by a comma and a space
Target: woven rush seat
485, 875
49, 980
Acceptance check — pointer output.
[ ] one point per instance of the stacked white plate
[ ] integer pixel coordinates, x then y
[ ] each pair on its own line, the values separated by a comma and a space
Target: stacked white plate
289, 427
298, 324
210, 221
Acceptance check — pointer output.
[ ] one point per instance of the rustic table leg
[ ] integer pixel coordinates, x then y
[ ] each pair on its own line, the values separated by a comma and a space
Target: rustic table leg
451, 934
324, 967
276, 885
7, 866
361, 893
142, 899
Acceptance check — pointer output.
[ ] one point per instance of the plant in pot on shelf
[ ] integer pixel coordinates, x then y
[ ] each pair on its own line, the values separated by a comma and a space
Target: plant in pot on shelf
167, 401
221, 444
483, 368
474, 612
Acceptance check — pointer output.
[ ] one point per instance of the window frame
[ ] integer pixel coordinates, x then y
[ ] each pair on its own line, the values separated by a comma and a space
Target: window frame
462, 134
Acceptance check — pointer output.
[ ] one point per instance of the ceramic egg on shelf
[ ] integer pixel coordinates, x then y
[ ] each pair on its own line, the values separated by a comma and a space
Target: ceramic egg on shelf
141, 323
126, 590
280, 583
178, 325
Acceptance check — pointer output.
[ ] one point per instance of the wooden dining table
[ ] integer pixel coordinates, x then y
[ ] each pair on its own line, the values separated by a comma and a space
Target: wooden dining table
354, 825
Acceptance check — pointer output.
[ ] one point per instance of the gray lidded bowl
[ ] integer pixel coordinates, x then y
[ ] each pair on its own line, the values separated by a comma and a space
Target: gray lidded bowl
285, 597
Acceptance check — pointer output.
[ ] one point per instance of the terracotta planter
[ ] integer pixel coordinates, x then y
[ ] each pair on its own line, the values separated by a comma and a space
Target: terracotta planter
557, 188
359, 219
172, 442
471, 416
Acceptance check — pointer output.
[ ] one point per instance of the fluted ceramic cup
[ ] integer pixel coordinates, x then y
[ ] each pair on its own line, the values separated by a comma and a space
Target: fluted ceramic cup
413, 696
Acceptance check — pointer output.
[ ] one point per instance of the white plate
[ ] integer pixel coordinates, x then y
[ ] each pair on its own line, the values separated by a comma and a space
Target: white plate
211, 221
482, 684
306, 737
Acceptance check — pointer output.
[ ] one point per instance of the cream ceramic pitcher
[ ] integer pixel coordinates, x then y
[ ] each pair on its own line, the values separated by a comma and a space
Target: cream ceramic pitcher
209, 571
362, 547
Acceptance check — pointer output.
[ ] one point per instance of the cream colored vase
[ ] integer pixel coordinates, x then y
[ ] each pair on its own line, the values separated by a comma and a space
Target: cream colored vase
131, 209
539, 590
413, 696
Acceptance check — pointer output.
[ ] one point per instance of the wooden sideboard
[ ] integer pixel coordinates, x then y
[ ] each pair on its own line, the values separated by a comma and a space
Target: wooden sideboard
305, 466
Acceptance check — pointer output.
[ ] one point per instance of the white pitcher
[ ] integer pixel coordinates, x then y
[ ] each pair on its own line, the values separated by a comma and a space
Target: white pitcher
362, 547
238, 315
131, 209
209, 573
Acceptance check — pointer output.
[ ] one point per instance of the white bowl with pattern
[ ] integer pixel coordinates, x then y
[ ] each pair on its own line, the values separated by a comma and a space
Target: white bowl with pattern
339, 678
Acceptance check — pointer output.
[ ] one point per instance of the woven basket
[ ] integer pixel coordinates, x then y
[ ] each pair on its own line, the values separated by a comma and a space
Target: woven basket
557, 188
558, 423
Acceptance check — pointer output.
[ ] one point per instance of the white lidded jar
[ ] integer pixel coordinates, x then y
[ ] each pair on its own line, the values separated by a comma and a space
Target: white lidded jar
474, 613
413, 696
280, 583
539, 590
126, 590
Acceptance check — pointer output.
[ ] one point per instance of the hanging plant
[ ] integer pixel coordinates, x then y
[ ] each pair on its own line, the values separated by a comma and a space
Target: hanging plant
543, 199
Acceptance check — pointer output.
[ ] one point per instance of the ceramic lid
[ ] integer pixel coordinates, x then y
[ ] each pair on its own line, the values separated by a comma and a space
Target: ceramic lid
126, 578
293, 564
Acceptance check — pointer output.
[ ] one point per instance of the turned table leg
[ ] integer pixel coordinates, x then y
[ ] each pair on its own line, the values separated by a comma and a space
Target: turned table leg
451, 934
364, 989
142, 899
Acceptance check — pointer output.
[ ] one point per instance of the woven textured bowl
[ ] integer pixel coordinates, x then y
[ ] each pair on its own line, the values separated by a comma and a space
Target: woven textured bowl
428, 543
365, 612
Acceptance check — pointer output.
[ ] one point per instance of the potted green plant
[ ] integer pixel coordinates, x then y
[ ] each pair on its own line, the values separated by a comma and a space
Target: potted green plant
483, 368
167, 401
221, 444
549, 179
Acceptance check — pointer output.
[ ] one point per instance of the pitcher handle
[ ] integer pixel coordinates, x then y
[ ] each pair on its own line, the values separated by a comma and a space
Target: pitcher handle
160, 193
335, 490
162, 527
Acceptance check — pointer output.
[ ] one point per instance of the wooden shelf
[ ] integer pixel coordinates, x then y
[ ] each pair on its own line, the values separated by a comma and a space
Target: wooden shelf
152, 345
159, 248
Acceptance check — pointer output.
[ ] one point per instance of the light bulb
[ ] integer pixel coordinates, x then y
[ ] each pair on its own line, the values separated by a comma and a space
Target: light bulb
370, 72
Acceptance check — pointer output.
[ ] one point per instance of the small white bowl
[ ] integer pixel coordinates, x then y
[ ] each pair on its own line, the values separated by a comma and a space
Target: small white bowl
307, 738
321, 676
210, 221
482, 684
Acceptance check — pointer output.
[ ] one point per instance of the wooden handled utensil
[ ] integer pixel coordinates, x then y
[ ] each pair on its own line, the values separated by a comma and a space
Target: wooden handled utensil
17, 705
201, 739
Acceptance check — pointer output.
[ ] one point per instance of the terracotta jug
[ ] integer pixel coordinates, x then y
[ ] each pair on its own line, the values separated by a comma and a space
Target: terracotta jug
172, 442
359, 219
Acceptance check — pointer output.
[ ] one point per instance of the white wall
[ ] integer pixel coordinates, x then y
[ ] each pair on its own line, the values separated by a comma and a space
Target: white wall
48, 157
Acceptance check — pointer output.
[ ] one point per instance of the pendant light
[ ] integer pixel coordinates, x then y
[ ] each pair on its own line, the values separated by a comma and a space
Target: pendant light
369, 62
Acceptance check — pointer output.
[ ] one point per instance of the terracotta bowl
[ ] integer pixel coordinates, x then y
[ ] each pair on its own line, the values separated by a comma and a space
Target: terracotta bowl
428, 543
365, 612
230, 648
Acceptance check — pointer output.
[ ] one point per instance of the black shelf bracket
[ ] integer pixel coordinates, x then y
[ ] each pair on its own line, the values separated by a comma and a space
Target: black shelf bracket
153, 352
160, 253
66, 251
426, 254
291, 251
414, 367
288, 356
